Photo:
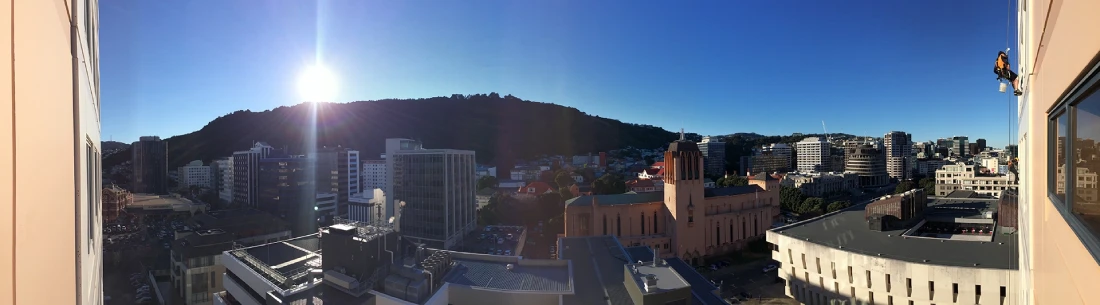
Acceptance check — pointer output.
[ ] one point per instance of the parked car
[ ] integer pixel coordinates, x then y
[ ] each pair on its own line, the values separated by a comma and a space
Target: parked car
770, 268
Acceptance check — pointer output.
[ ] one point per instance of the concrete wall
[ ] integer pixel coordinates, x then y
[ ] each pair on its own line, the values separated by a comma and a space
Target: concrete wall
1057, 42
811, 285
49, 115
466, 295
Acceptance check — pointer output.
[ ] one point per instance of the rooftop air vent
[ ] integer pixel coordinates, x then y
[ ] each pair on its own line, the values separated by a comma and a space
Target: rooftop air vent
510, 267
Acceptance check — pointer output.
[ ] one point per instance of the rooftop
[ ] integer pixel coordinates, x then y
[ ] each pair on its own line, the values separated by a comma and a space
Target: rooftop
636, 198
848, 230
492, 272
286, 263
240, 221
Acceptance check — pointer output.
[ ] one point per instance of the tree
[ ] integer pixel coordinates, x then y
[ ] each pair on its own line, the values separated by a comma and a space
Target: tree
649, 160
812, 205
928, 184
837, 206
565, 194
487, 181
732, 181
609, 184
790, 198
563, 179
547, 176
904, 186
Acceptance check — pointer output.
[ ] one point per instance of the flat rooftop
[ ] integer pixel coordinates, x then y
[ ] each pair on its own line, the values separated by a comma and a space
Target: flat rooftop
491, 272
849, 231
278, 261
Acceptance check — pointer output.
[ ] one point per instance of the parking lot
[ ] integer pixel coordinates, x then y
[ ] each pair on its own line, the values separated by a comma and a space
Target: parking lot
496, 240
132, 247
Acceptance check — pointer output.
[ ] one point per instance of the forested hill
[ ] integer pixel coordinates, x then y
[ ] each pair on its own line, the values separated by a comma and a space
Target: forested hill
499, 128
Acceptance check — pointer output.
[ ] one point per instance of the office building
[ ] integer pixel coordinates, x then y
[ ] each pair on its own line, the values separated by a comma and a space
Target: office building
813, 155
714, 156
899, 151
821, 184
150, 162
374, 175
195, 264
960, 146
367, 206
777, 149
224, 175
358, 264
868, 163
51, 242
968, 177
670, 221
338, 172
285, 189
1012, 150
115, 199
246, 167
195, 174
981, 145
434, 190
902, 249
928, 167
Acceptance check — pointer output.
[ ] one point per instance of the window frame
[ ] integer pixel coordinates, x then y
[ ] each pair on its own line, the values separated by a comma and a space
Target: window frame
1086, 85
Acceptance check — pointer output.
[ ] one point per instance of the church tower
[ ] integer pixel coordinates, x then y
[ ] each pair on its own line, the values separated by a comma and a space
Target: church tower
684, 198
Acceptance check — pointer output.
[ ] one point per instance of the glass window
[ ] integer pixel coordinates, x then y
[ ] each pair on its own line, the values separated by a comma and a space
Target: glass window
1086, 162
1058, 133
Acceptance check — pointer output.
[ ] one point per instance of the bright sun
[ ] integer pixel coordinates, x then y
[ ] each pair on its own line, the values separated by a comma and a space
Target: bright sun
317, 84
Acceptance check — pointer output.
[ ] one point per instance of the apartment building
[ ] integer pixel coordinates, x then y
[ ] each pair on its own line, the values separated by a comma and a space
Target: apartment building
51, 242
968, 177
196, 174
373, 175
813, 155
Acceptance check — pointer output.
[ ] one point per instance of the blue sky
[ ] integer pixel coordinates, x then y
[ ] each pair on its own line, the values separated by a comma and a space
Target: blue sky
712, 67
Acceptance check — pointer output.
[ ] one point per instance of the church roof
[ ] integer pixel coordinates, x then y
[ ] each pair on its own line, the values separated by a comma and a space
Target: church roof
683, 146
763, 176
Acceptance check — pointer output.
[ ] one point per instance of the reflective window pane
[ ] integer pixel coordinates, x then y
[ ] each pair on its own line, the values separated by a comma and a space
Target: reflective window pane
1060, 157
1086, 156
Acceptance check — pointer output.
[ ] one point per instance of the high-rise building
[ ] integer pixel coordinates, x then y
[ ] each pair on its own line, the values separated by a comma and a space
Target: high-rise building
1059, 228
150, 161
960, 146
51, 242
981, 146
285, 189
813, 155
373, 174
195, 174
434, 190
338, 172
1012, 150
899, 151
714, 156
246, 167
223, 174
779, 150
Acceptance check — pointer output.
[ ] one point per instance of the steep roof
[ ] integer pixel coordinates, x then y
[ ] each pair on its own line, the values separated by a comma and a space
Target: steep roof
763, 176
683, 146
627, 198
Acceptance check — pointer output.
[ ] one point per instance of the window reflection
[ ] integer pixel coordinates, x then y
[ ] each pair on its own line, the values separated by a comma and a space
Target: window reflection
1085, 204
1060, 157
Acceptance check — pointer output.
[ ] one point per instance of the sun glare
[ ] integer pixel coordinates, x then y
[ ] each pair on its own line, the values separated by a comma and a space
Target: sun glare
317, 84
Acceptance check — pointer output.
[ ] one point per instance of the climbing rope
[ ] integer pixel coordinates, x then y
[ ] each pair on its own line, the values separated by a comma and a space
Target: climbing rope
1008, 35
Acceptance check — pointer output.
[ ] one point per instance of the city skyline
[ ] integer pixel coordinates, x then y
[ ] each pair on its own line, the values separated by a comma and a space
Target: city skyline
596, 64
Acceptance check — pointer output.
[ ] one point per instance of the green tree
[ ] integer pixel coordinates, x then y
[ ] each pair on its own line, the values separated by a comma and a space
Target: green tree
812, 205
565, 193
790, 198
609, 184
486, 181
904, 186
563, 179
837, 206
929, 185
732, 181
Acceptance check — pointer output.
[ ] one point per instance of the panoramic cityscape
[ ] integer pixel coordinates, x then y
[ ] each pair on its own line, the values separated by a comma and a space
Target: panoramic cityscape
425, 181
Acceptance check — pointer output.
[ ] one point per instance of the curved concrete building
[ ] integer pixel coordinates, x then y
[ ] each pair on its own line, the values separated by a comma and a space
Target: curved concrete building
869, 163
901, 250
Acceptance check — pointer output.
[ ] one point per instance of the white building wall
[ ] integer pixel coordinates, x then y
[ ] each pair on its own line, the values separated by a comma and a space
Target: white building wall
194, 174
813, 281
225, 190
813, 154
373, 175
